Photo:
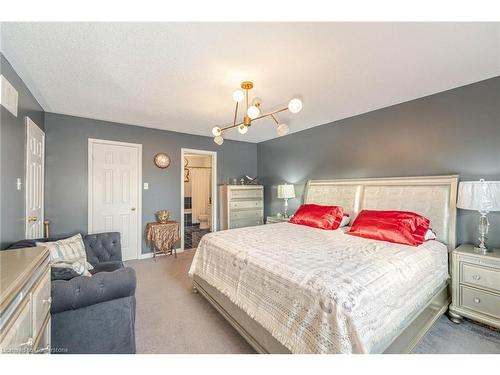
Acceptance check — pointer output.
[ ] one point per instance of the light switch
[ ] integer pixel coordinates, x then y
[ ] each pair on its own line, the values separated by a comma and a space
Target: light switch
146, 186
18, 183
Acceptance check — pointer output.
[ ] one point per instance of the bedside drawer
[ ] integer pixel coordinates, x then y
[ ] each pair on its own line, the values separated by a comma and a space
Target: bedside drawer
483, 302
247, 214
247, 193
41, 302
241, 223
482, 277
246, 204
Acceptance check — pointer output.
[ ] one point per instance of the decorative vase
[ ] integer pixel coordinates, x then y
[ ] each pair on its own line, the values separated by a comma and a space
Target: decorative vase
162, 216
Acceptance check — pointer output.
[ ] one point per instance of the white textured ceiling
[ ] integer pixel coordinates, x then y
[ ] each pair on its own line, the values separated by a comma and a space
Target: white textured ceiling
180, 76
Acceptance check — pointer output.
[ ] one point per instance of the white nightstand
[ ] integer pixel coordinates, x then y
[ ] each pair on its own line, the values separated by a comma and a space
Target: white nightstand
475, 286
276, 219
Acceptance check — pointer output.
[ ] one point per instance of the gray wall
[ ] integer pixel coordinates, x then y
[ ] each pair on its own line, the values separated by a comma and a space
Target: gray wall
12, 137
66, 167
456, 131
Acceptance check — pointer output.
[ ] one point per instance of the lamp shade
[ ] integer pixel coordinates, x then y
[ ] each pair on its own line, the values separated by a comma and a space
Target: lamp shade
479, 195
286, 191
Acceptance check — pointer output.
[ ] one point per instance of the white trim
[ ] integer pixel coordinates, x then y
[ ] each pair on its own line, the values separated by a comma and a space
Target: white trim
214, 187
91, 142
29, 123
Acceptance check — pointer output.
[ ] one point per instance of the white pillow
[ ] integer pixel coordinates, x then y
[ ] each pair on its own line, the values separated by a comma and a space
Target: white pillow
429, 235
69, 253
346, 219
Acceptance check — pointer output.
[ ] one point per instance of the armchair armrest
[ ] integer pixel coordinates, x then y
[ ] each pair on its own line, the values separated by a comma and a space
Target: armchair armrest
84, 291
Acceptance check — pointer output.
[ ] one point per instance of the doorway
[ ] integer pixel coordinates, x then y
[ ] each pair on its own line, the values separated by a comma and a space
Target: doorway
114, 192
198, 196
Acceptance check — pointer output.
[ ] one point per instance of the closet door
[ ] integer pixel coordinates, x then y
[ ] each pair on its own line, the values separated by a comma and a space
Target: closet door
114, 192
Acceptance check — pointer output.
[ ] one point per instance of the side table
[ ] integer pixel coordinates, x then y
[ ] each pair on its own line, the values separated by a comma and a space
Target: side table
161, 237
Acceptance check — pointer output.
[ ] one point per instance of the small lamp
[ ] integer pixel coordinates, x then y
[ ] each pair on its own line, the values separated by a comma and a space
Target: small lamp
482, 196
286, 192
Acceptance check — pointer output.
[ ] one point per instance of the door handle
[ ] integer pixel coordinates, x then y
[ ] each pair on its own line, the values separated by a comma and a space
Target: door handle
133, 208
32, 219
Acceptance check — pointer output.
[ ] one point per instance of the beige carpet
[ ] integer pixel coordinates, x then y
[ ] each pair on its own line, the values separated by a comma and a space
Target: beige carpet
170, 319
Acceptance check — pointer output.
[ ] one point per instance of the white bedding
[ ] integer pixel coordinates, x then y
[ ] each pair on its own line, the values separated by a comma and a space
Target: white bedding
320, 291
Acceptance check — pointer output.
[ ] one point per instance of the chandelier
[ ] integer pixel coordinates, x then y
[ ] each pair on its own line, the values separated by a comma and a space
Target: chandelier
254, 113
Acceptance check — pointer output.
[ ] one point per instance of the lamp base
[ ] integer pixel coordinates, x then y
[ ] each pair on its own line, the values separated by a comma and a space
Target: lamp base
481, 250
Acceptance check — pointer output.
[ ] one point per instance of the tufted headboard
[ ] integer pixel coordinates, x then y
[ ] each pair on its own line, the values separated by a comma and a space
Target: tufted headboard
434, 197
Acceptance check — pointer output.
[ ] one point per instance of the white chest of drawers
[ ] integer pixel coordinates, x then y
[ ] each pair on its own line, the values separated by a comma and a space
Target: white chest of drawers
241, 206
476, 286
25, 301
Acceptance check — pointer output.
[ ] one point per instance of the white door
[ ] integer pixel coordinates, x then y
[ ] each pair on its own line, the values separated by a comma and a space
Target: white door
114, 189
35, 164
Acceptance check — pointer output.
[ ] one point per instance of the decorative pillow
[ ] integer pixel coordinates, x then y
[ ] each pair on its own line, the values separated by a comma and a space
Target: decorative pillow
430, 235
317, 216
69, 253
346, 219
402, 227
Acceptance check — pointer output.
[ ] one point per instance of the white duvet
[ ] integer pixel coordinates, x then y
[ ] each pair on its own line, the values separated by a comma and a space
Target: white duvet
319, 291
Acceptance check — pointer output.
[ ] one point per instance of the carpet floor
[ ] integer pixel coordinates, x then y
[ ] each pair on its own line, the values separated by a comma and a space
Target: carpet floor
171, 319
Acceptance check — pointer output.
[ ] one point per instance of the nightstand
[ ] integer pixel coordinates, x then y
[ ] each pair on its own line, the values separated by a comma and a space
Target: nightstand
276, 219
475, 286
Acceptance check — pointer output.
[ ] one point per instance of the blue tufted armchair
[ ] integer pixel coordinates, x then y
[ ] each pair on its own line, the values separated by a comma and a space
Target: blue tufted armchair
93, 314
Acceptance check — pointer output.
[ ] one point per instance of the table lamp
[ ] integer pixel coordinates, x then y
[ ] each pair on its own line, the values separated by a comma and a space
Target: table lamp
286, 192
482, 196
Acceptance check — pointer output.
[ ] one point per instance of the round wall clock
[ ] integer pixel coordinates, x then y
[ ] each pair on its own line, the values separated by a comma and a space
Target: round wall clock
162, 160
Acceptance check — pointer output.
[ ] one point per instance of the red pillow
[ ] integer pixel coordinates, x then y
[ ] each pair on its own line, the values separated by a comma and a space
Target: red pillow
317, 216
402, 227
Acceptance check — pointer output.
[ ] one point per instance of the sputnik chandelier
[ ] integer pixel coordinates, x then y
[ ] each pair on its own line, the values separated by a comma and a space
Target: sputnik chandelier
253, 113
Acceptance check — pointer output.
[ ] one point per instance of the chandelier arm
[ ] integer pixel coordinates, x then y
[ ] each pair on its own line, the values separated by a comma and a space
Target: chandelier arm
235, 114
231, 126
257, 118
275, 119
270, 113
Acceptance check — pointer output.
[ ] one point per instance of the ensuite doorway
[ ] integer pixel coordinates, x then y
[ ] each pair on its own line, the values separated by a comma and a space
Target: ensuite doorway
198, 196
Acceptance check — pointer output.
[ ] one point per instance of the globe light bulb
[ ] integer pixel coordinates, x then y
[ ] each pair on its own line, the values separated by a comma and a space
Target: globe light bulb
216, 131
282, 129
295, 105
242, 129
253, 112
219, 140
238, 96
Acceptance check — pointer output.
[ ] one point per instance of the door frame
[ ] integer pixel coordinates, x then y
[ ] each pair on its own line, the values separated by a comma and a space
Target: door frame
90, 181
30, 123
213, 154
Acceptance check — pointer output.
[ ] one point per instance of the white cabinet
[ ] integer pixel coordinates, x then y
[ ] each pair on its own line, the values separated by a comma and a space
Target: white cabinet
475, 286
25, 301
18, 338
241, 206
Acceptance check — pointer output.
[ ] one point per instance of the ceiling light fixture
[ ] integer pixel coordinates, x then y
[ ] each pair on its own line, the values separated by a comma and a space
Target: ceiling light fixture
254, 112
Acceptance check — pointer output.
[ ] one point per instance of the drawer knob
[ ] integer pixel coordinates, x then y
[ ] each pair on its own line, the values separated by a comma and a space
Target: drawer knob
47, 301
476, 300
476, 277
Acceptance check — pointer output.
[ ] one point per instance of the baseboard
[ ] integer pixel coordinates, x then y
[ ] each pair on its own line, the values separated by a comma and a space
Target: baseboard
150, 255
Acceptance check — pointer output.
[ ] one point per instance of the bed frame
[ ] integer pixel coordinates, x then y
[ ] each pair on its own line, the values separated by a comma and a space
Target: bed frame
431, 196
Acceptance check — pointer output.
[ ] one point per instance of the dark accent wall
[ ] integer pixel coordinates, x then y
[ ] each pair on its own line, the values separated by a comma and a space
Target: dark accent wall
66, 167
12, 150
456, 131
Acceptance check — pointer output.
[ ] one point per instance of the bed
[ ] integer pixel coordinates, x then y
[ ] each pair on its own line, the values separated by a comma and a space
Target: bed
294, 289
